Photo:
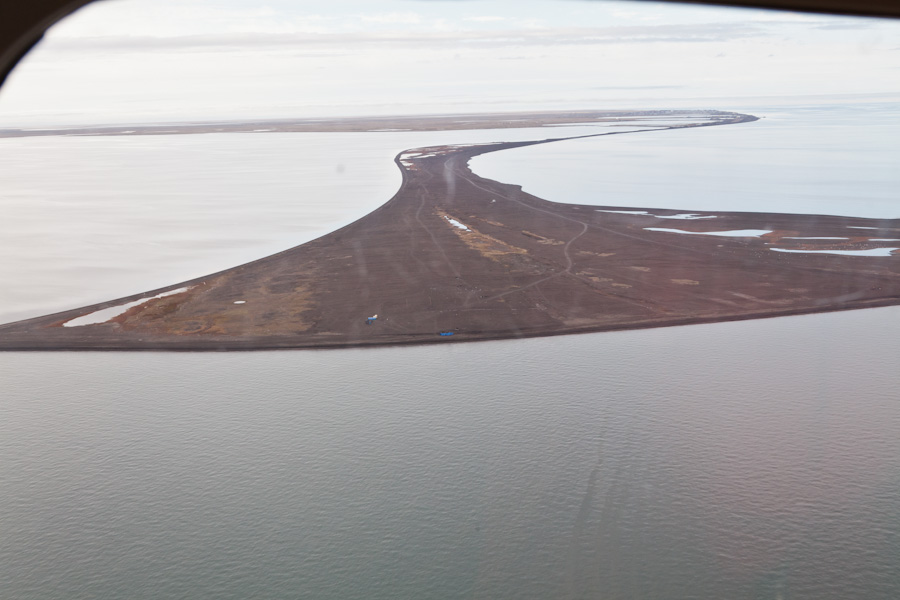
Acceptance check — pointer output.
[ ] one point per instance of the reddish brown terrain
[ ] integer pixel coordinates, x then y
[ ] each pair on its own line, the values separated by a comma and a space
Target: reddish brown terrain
458, 254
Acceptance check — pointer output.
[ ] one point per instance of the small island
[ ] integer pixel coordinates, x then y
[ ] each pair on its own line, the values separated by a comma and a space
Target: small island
456, 257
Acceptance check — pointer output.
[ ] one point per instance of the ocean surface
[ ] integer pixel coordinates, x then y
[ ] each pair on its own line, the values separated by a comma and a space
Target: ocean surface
746, 460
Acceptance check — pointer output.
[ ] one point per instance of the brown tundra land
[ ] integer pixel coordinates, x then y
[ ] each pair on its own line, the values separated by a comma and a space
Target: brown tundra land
457, 257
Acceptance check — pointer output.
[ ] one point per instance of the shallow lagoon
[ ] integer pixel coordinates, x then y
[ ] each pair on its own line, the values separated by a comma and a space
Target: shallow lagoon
832, 160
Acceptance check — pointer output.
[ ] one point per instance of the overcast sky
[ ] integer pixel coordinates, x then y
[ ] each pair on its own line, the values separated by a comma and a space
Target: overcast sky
173, 60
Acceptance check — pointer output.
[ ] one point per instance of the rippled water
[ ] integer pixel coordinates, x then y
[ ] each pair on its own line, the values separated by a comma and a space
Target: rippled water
739, 460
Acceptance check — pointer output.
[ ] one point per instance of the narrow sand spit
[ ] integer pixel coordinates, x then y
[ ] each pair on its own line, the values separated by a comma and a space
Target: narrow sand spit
455, 253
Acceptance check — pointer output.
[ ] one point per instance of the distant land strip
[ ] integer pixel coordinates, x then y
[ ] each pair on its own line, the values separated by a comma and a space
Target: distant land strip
458, 257
389, 123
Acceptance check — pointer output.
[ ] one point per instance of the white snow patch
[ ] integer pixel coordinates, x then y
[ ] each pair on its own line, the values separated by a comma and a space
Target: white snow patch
884, 240
687, 216
860, 227
734, 233
815, 238
683, 216
416, 155
240, 302
871, 252
457, 224
105, 314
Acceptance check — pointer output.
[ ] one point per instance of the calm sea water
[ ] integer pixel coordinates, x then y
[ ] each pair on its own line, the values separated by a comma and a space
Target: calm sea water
833, 160
739, 460
758, 459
